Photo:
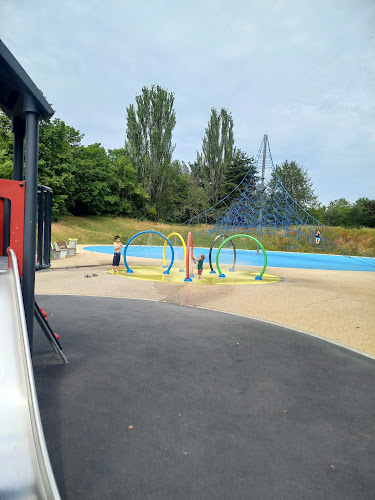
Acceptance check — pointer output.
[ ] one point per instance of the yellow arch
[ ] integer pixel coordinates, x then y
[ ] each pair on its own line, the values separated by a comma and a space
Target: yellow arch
165, 244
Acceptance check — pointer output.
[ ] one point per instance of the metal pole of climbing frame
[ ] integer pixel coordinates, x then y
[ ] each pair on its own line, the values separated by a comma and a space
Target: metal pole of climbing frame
265, 139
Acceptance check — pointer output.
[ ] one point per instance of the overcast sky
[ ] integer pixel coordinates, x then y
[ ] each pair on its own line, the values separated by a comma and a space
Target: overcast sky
301, 71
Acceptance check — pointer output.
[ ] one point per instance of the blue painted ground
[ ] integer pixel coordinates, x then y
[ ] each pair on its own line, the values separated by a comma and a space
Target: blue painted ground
250, 258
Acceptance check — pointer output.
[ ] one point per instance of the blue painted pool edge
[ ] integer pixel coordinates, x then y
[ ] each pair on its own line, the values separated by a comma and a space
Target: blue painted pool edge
291, 260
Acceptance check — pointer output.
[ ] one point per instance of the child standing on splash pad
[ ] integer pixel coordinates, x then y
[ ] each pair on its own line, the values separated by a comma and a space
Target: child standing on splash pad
116, 257
200, 264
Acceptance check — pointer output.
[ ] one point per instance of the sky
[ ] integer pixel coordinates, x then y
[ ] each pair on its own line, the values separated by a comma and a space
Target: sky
300, 71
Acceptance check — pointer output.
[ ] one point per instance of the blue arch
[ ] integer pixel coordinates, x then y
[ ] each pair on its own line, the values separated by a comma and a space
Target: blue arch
128, 270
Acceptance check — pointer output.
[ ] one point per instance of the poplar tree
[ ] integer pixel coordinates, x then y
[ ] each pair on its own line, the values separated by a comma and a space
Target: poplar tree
149, 139
241, 165
217, 152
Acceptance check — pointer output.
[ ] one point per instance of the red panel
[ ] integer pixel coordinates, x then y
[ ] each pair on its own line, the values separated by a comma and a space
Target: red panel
15, 192
189, 248
1, 224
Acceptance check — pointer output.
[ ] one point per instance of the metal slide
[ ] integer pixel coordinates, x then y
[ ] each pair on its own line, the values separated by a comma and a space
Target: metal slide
25, 469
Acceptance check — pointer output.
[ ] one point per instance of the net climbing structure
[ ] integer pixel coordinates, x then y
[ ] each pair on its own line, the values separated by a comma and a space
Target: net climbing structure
261, 207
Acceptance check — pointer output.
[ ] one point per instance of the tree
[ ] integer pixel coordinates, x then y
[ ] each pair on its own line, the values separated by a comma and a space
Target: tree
59, 154
217, 152
6, 164
149, 139
319, 213
297, 183
240, 165
342, 213
197, 173
337, 212
194, 202
125, 185
363, 212
94, 176
59, 147
6, 147
183, 197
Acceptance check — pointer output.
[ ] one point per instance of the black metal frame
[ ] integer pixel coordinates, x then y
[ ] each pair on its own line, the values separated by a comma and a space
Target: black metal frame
43, 250
48, 332
23, 102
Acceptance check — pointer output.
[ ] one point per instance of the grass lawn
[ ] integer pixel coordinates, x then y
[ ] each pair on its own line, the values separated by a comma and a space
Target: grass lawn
102, 230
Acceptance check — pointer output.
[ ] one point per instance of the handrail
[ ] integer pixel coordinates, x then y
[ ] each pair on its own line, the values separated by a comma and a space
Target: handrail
44, 188
25, 466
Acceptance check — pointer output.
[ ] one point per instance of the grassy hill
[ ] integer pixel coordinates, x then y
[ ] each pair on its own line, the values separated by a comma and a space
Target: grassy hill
101, 231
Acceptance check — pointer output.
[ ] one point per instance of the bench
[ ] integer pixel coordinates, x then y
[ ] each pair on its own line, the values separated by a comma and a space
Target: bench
56, 253
62, 247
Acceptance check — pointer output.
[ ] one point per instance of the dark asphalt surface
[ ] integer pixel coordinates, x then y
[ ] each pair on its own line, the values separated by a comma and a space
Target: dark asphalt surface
221, 407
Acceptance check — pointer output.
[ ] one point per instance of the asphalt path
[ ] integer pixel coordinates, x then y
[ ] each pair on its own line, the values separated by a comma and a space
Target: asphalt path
165, 401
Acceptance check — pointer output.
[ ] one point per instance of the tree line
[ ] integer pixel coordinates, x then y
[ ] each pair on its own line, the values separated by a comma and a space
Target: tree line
143, 180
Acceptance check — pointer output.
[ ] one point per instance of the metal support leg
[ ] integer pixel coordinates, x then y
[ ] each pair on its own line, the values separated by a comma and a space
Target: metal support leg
31, 169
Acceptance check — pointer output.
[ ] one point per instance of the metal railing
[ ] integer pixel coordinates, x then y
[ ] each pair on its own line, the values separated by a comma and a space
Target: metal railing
44, 221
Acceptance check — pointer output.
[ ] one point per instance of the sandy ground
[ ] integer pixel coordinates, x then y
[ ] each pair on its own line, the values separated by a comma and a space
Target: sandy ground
336, 305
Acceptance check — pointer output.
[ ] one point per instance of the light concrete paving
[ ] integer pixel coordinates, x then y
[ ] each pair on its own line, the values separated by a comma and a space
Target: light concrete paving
337, 305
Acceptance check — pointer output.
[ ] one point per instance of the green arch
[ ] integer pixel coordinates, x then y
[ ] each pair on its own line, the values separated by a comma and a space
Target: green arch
221, 275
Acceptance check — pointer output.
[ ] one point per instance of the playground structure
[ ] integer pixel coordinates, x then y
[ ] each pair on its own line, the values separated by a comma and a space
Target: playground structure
259, 277
189, 256
183, 245
25, 212
153, 272
27, 472
44, 203
26, 469
261, 207
25, 205
225, 236
242, 276
128, 270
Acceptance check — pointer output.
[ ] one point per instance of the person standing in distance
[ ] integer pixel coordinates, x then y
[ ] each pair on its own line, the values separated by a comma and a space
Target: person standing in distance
117, 255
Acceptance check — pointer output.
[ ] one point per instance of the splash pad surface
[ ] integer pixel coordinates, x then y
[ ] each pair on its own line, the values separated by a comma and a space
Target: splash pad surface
238, 277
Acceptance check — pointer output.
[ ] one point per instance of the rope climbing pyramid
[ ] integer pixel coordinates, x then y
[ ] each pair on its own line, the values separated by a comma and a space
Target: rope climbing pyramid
260, 206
